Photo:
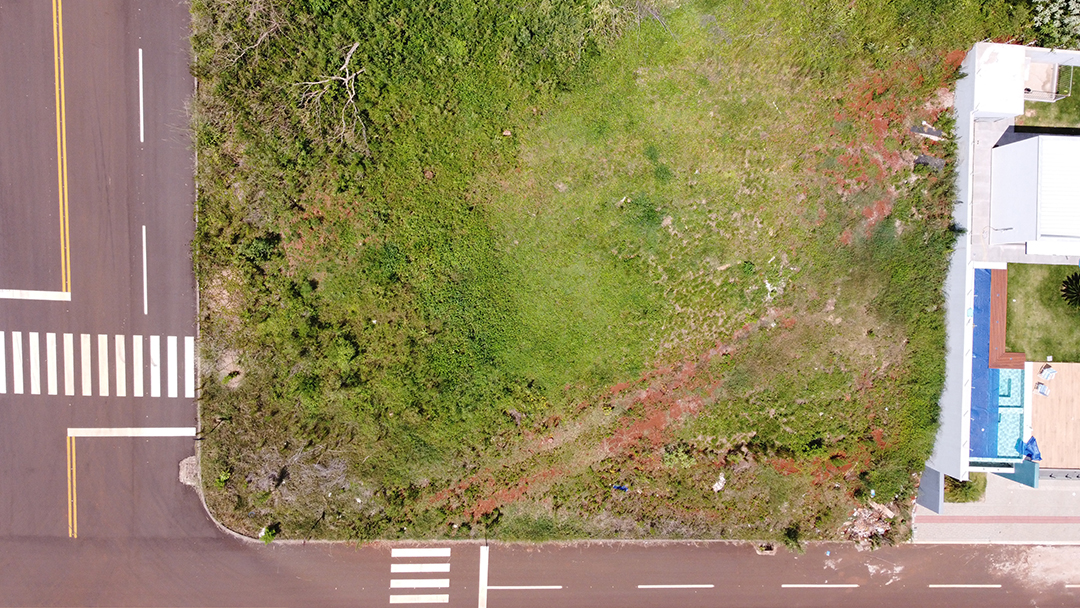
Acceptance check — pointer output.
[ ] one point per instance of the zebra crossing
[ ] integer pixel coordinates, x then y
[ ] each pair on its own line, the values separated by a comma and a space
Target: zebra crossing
71, 357
423, 582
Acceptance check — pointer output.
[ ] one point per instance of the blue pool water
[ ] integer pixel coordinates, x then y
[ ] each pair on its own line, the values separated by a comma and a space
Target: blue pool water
997, 395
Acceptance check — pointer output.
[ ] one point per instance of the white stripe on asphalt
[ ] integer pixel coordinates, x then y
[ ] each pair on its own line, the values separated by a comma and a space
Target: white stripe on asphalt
964, 586
149, 431
482, 588
35, 364
531, 587
103, 365
29, 294
69, 364
664, 587
84, 353
189, 367
145, 309
403, 568
420, 599
821, 586
136, 366
50, 361
16, 363
121, 367
141, 123
3, 365
419, 583
172, 365
441, 552
155, 366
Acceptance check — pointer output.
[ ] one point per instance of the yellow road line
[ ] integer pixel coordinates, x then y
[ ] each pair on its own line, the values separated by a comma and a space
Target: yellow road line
73, 500
61, 142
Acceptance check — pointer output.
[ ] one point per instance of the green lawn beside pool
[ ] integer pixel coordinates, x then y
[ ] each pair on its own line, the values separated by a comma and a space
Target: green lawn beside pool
1040, 323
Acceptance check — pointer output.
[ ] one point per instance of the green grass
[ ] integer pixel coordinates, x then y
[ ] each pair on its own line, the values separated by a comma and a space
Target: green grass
1040, 322
972, 490
1062, 113
558, 247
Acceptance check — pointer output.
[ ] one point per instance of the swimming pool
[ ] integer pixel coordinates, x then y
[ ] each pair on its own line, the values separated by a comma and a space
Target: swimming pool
997, 395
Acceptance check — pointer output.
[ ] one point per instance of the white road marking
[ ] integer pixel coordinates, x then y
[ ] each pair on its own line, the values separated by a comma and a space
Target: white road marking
155, 366
964, 586
528, 587
820, 586
145, 309
103, 365
29, 294
189, 367
16, 363
3, 365
121, 367
35, 364
50, 361
148, 431
171, 341
84, 352
403, 568
666, 587
136, 366
482, 588
69, 365
419, 583
1066, 586
441, 552
420, 599
141, 122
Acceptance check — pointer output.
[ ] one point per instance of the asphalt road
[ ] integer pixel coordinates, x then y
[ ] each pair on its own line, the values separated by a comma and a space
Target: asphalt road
89, 343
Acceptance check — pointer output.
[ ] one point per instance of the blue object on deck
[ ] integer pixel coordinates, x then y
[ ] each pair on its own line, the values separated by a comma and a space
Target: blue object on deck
623, 488
1031, 450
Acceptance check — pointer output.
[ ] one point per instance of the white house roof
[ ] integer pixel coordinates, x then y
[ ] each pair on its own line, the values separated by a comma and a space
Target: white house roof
1058, 191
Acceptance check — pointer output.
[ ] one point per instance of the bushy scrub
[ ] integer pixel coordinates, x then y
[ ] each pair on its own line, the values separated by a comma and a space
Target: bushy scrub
557, 268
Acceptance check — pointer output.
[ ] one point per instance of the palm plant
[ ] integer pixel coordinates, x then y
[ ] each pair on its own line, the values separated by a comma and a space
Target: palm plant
1070, 289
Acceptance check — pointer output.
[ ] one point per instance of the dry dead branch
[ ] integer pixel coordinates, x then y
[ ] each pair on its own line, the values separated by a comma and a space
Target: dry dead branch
350, 117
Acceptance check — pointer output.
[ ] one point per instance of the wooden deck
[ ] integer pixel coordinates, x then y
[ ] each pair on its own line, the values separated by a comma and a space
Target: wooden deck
1055, 419
999, 299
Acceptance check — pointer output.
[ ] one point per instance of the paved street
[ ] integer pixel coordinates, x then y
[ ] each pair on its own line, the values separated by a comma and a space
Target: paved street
98, 377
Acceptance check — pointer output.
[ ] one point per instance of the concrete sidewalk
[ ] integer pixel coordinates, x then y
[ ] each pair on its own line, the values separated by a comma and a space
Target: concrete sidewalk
1009, 513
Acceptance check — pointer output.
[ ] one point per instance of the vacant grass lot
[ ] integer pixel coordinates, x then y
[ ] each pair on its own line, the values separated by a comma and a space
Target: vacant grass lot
571, 269
1040, 323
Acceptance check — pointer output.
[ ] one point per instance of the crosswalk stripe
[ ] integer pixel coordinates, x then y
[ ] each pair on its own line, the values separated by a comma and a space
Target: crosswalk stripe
69, 364
413, 568
189, 367
16, 363
103, 365
171, 341
84, 353
136, 366
419, 583
50, 361
3, 364
155, 366
35, 364
121, 366
443, 598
